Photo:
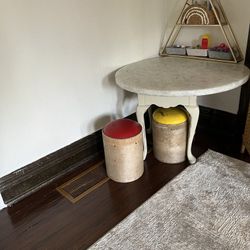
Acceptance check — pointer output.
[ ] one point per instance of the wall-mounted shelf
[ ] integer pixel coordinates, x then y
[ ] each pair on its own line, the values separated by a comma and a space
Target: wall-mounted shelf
213, 16
199, 25
199, 58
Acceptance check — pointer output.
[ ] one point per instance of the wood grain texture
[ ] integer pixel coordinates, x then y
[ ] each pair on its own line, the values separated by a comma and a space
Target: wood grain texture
46, 220
84, 183
28, 179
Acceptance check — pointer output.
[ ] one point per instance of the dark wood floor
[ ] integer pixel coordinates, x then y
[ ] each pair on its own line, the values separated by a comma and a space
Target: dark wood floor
46, 220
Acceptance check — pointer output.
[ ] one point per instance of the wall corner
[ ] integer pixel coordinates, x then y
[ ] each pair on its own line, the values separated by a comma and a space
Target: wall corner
2, 205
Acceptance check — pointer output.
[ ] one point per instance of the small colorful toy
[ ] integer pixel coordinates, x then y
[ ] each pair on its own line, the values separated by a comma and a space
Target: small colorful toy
221, 52
205, 41
221, 48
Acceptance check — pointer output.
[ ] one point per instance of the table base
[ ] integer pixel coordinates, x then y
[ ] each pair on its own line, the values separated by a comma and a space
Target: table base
189, 102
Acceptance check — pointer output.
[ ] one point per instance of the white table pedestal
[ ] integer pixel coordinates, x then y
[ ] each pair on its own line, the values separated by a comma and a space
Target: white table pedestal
189, 102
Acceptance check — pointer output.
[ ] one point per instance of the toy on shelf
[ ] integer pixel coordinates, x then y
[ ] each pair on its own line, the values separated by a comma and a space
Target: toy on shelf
200, 47
205, 41
220, 52
197, 51
176, 50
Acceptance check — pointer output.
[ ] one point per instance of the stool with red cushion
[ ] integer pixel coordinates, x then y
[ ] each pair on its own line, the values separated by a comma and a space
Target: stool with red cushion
123, 149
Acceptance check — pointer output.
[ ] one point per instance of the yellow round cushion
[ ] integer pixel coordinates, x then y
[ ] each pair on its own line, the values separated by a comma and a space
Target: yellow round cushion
169, 116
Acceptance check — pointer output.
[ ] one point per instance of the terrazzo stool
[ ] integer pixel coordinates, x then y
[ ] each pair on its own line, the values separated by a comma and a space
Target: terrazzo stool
123, 149
169, 126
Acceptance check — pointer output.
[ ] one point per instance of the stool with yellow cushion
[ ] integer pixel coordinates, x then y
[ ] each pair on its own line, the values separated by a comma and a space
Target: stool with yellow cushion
170, 134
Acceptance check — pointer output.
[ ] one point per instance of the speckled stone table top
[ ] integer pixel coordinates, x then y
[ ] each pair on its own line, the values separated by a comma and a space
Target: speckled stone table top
170, 76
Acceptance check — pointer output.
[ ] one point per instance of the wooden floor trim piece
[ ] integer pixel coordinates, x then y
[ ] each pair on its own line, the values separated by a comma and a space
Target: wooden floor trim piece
73, 200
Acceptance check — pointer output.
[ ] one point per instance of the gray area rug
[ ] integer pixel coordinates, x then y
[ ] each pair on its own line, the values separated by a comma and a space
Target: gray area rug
207, 206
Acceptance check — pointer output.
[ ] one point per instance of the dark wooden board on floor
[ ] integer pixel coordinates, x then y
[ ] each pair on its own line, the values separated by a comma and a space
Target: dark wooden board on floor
47, 220
85, 183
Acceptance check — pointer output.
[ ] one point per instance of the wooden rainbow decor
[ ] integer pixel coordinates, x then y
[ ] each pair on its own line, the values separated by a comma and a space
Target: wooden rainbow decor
198, 14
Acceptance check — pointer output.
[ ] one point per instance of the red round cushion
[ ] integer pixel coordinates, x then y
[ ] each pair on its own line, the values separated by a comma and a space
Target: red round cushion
122, 129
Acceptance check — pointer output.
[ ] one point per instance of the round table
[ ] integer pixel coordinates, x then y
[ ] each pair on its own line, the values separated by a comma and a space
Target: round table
172, 81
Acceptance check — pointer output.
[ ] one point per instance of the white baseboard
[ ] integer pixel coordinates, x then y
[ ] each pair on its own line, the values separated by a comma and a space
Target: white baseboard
2, 205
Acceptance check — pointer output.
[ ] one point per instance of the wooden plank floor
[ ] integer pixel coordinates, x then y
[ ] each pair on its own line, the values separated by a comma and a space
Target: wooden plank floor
46, 220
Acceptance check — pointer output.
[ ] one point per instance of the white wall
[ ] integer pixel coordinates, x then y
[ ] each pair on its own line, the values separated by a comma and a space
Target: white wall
2, 205
238, 13
57, 59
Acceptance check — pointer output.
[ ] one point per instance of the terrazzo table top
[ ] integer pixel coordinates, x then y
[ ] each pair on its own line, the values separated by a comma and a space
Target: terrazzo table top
170, 76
